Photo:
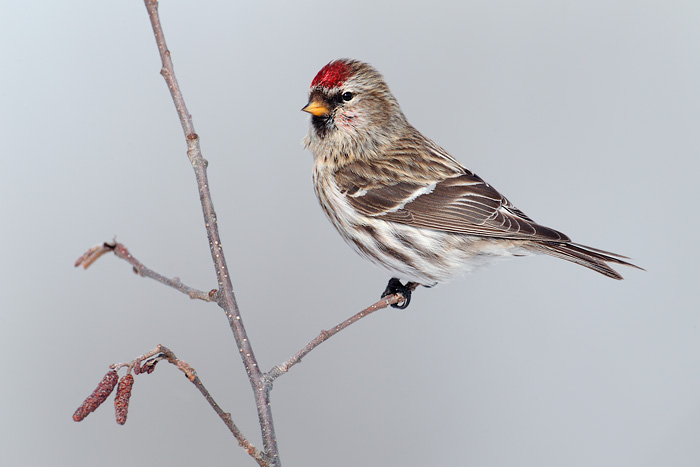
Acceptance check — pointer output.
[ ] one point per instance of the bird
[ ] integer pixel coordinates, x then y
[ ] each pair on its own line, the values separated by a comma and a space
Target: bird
403, 202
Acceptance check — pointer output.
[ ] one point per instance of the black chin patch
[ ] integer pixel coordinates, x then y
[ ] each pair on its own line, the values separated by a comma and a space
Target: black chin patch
323, 124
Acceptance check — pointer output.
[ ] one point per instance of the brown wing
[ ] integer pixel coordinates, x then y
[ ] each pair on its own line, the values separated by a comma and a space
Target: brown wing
442, 195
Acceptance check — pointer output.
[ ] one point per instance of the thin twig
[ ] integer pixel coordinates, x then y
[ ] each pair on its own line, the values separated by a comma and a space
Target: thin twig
279, 370
226, 297
254, 452
121, 251
161, 352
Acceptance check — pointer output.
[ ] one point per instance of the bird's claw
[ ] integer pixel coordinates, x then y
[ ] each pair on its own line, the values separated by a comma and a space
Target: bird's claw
396, 287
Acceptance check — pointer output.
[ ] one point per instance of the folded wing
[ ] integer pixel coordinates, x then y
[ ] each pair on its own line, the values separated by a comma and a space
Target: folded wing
459, 203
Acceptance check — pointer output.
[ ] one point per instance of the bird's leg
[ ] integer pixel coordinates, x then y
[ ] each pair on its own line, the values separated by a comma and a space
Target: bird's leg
395, 286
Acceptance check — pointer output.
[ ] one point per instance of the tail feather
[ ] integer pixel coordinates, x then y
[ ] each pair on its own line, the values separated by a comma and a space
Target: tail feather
589, 257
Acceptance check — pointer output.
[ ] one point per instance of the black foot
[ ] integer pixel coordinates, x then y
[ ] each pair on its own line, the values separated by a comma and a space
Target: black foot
395, 286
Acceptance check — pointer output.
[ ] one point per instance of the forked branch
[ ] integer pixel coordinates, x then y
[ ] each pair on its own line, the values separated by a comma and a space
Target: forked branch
224, 295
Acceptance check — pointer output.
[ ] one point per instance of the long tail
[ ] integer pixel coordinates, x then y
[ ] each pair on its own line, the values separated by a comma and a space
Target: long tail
584, 255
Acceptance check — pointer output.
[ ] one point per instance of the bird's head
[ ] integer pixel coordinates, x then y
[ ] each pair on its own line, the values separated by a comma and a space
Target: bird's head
351, 104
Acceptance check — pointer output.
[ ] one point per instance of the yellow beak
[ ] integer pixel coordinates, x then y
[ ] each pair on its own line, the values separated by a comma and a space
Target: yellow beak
316, 108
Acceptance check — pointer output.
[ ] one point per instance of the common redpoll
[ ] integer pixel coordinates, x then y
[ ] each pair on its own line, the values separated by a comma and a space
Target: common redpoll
402, 201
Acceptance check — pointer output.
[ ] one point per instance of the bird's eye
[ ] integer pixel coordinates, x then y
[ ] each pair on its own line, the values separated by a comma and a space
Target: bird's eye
347, 96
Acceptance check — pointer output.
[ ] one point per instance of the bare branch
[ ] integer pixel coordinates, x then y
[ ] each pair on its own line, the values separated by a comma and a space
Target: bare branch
261, 383
120, 251
278, 370
254, 452
226, 297
160, 352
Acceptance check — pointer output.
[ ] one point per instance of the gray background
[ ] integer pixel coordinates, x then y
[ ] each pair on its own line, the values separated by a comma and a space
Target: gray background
585, 114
